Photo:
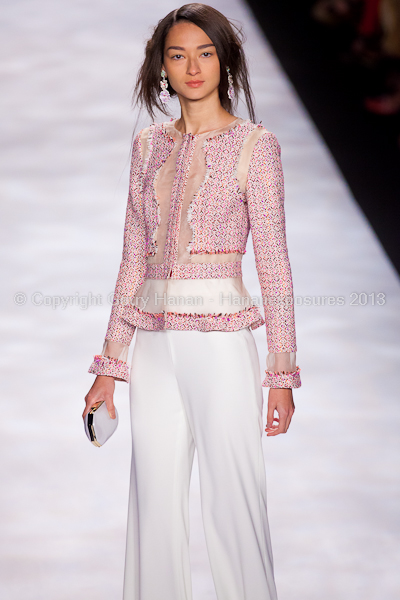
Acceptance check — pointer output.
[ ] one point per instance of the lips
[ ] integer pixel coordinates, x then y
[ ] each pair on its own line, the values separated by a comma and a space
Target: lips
194, 83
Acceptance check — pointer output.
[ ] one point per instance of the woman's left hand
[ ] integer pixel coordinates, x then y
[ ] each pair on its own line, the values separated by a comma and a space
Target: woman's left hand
281, 401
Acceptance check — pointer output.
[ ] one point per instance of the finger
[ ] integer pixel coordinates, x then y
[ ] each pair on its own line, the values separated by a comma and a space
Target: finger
274, 429
110, 407
271, 426
271, 432
89, 406
283, 417
289, 419
87, 409
270, 414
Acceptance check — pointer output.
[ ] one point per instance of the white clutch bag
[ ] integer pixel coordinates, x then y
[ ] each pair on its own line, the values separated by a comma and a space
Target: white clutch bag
99, 426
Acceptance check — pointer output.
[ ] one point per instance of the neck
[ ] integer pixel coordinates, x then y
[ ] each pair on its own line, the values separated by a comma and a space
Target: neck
198, 116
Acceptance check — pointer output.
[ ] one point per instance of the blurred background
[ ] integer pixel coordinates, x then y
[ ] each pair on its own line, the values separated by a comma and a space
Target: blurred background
343, 57
326, 80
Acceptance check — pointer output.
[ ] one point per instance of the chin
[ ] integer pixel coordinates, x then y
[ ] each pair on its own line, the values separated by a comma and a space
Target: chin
195, 94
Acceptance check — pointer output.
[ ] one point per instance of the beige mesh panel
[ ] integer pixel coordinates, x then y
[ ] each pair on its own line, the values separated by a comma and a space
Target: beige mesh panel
163, 188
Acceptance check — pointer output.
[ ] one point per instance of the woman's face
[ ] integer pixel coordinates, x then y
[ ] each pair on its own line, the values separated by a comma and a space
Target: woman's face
191, 61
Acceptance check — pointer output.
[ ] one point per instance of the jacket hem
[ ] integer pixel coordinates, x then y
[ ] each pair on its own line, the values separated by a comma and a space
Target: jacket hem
249, 317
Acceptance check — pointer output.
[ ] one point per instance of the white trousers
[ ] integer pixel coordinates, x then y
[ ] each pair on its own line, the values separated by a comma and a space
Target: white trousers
192, 389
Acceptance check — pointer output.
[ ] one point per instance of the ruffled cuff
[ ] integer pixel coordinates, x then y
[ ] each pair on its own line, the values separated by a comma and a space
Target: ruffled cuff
282, 379
104, 365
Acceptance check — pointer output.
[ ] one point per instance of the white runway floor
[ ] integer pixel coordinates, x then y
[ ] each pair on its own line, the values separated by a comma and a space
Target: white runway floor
333, 480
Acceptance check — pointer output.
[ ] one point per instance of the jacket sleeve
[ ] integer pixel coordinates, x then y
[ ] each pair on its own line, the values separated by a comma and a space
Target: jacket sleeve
265, 200
113, 359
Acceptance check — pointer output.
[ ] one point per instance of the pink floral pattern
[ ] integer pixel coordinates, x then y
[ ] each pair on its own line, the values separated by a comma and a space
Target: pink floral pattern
249, 317
265, 198
195, 271
104, 365
160, 146
220, 216
220, 197
282, 379
133, 265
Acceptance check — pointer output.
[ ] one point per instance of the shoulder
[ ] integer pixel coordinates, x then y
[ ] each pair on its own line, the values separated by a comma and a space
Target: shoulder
147, 132
262, 157
156, 139
258, 135
264, 143
157, 134
258, 145
143, 139
264, 134
143, 135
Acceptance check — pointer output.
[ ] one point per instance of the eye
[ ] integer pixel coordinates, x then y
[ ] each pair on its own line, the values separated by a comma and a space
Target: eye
208, 54
176, 56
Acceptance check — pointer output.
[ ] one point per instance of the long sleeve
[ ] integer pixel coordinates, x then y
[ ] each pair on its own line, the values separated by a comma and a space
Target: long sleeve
265, 199
113, 359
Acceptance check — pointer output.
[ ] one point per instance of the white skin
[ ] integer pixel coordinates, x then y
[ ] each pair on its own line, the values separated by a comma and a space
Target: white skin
190, 56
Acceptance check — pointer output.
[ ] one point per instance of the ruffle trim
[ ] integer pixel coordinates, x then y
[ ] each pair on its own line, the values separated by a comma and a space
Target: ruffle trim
113, 367
282, 379
249, 317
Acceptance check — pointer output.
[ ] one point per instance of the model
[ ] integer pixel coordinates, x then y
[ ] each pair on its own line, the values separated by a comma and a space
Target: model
198, 185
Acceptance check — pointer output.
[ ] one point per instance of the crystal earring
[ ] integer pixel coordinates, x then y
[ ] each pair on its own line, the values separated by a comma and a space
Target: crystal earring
164, 94
231, 90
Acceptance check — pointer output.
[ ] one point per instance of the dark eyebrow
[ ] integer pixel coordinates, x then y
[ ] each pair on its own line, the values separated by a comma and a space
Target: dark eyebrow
198, 47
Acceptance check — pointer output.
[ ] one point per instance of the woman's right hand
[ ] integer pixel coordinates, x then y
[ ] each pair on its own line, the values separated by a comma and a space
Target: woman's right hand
102, 389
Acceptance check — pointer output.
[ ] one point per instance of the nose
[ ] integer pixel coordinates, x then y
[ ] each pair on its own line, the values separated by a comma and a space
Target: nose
193, 67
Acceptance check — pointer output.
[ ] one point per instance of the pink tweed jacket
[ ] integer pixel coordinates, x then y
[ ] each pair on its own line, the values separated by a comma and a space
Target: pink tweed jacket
193, 199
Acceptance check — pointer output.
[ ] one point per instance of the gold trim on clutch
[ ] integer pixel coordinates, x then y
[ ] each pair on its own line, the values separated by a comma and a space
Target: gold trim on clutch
92, 433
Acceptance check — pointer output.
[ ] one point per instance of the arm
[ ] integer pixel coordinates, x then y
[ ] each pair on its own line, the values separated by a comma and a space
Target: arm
265, 198
112, 361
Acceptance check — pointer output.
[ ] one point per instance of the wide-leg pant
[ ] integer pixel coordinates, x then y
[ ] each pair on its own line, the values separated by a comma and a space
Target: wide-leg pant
192, 389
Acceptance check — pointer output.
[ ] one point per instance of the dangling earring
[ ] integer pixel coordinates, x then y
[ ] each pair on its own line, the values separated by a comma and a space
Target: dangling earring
231, 90
164, 94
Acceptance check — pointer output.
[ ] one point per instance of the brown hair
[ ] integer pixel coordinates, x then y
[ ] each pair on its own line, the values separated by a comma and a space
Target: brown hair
228, 40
